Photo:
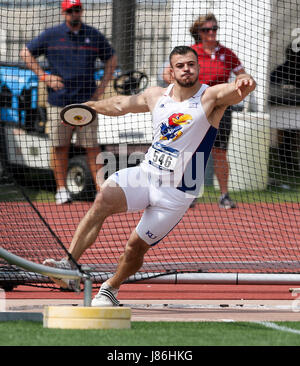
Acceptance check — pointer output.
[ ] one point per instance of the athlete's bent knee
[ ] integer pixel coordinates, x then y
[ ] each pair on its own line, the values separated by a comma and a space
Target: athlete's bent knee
136, 248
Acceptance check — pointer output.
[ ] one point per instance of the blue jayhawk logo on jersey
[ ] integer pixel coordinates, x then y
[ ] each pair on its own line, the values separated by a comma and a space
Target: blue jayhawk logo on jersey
172, 129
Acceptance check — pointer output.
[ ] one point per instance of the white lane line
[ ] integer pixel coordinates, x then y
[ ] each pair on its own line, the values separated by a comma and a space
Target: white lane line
278, 327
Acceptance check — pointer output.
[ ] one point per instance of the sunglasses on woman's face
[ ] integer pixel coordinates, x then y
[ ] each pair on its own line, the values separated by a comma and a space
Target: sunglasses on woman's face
206, 29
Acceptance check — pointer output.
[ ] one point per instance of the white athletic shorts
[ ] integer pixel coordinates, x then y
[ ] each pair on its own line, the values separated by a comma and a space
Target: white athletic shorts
163, 206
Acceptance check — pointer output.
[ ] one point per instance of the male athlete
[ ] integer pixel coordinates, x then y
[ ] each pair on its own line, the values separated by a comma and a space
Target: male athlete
185, 118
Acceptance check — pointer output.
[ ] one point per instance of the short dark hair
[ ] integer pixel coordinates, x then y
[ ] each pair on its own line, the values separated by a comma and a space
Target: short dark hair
182, 50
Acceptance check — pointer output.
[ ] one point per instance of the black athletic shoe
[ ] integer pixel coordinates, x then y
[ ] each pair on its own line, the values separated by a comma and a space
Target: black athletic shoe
226, 202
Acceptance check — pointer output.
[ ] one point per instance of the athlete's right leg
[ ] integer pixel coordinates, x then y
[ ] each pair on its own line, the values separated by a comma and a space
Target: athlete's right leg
110, 200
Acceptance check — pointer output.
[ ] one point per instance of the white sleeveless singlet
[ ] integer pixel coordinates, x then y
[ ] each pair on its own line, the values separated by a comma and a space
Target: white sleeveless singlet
182, 141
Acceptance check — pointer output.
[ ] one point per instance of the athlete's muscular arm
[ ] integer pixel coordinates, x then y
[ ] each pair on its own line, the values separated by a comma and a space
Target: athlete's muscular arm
235, 92
217, 98
121, 105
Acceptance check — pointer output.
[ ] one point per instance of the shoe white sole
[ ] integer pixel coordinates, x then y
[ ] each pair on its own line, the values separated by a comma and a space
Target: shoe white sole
225, 207
61, 282
102, 304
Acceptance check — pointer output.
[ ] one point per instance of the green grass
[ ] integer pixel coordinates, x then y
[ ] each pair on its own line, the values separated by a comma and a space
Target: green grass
10, 192
21, 333
212, 195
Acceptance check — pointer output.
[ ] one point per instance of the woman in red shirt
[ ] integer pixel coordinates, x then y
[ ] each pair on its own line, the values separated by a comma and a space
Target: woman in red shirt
216, 64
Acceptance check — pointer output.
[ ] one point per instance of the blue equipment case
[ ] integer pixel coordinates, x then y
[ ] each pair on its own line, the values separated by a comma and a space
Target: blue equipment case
18, 96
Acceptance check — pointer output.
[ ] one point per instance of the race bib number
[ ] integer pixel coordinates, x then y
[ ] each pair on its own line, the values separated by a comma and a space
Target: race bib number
163, 157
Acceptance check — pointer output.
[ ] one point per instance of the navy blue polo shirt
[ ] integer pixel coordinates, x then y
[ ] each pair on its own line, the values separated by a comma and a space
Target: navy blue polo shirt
72, 56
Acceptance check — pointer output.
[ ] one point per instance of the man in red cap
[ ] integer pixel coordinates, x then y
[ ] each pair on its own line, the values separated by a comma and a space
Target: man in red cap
71, 49
68, 4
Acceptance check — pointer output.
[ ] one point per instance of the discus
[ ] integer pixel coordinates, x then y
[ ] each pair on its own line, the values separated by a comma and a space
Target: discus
78, 115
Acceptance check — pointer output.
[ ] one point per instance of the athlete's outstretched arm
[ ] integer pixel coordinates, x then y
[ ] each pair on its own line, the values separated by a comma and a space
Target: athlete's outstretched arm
233, 93
121, 104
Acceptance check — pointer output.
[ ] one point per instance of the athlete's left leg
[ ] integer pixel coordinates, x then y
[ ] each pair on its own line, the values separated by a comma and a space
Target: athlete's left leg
130, 261
156, 222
